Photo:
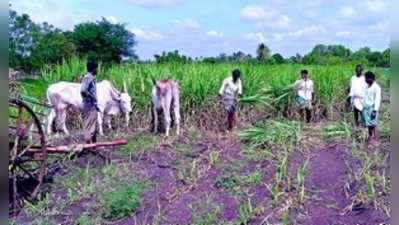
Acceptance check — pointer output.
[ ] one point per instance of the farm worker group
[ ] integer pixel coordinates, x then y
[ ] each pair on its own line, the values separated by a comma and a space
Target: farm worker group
364, 98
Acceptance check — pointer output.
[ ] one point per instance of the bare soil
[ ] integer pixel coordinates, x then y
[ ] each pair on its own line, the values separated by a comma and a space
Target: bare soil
182, 178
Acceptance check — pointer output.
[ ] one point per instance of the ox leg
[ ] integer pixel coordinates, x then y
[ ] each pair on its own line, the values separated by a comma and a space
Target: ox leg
176, 110
127, 118
100, 123
166, 112
155, 116
50, 121
108, 122
62, 120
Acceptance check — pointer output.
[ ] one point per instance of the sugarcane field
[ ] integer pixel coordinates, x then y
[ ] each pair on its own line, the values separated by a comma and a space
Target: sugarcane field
109, 124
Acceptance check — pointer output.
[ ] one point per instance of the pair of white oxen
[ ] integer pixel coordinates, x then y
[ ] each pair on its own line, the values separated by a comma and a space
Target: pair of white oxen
110, 102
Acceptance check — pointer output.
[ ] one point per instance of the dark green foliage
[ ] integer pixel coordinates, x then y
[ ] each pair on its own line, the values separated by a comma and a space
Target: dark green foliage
103, 41
32, 46
278, 58
262, 52
122, 201
174, 56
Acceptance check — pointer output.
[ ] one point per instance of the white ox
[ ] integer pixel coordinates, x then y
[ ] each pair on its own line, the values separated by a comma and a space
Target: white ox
110, 101
165, 95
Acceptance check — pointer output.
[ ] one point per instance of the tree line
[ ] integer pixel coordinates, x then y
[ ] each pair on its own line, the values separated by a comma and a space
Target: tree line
33, 45
319, 55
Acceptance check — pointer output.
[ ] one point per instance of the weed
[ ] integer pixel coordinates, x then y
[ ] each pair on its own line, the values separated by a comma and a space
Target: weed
83, 220
138, 143
272, 133
122, 201
370, 186
205, 212
301, 173
339, 129
275, 192
286, 218
213, 158
38, 207
79, 183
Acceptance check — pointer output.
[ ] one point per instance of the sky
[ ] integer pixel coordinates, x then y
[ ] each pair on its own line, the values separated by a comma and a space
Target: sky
210, 27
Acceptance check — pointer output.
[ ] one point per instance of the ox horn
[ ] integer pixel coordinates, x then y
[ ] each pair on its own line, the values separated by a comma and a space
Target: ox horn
124, 86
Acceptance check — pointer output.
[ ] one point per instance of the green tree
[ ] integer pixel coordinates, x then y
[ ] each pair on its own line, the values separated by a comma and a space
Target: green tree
278, 58
52, 48
262, 52
375, 58
104, 41
386, 58
23, 36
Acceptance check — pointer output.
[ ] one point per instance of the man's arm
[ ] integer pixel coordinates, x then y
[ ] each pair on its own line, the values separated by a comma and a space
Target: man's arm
221, 90
377, 102
239, 88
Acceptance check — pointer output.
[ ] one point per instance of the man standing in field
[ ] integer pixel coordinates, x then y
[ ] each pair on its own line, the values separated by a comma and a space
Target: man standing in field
304, 88
356, 93
229, 92
371, 105
89, 96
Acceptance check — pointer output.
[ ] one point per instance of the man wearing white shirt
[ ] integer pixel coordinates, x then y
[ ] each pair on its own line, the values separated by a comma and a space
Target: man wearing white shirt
228, 93
304, 88
356, 94
371, 104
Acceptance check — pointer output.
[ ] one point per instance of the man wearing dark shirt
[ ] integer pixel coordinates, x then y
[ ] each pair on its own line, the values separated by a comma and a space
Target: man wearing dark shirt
89, 96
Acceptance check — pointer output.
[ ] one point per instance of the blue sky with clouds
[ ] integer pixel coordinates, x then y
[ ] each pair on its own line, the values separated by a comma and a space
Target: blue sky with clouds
210, 27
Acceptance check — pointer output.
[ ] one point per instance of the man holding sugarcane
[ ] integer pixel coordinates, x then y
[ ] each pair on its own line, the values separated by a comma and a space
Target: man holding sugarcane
229, 92
89, 96
356, 93
371, 105
305, 94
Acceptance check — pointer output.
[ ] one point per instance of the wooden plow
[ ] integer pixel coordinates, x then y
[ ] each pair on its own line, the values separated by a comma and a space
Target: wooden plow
29, 150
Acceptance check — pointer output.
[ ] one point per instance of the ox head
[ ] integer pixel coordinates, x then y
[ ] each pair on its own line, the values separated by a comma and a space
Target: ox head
125, 100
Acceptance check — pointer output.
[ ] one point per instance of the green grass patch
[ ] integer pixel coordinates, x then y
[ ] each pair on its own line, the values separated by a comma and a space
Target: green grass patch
122, 201
78, 183
338, 129
140, 142
272, 133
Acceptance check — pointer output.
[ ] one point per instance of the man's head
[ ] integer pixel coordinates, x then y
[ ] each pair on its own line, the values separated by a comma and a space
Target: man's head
236, 74
304, 74
358, 70
92, 66
370, 77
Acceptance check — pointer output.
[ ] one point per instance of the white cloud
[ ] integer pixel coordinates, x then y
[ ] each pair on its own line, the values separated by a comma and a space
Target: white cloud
112, 19
54, 12
257, 37
343, 34
253, 13
188, 23
278, 37
381, 26
376, 6
347, 11
307, 31
214, 33
155, 3
146, 35
276, 22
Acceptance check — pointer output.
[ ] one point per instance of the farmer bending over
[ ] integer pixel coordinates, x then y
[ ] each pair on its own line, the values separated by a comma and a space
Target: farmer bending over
304, 88
356, 93
228, 93
89, 96
371, 104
